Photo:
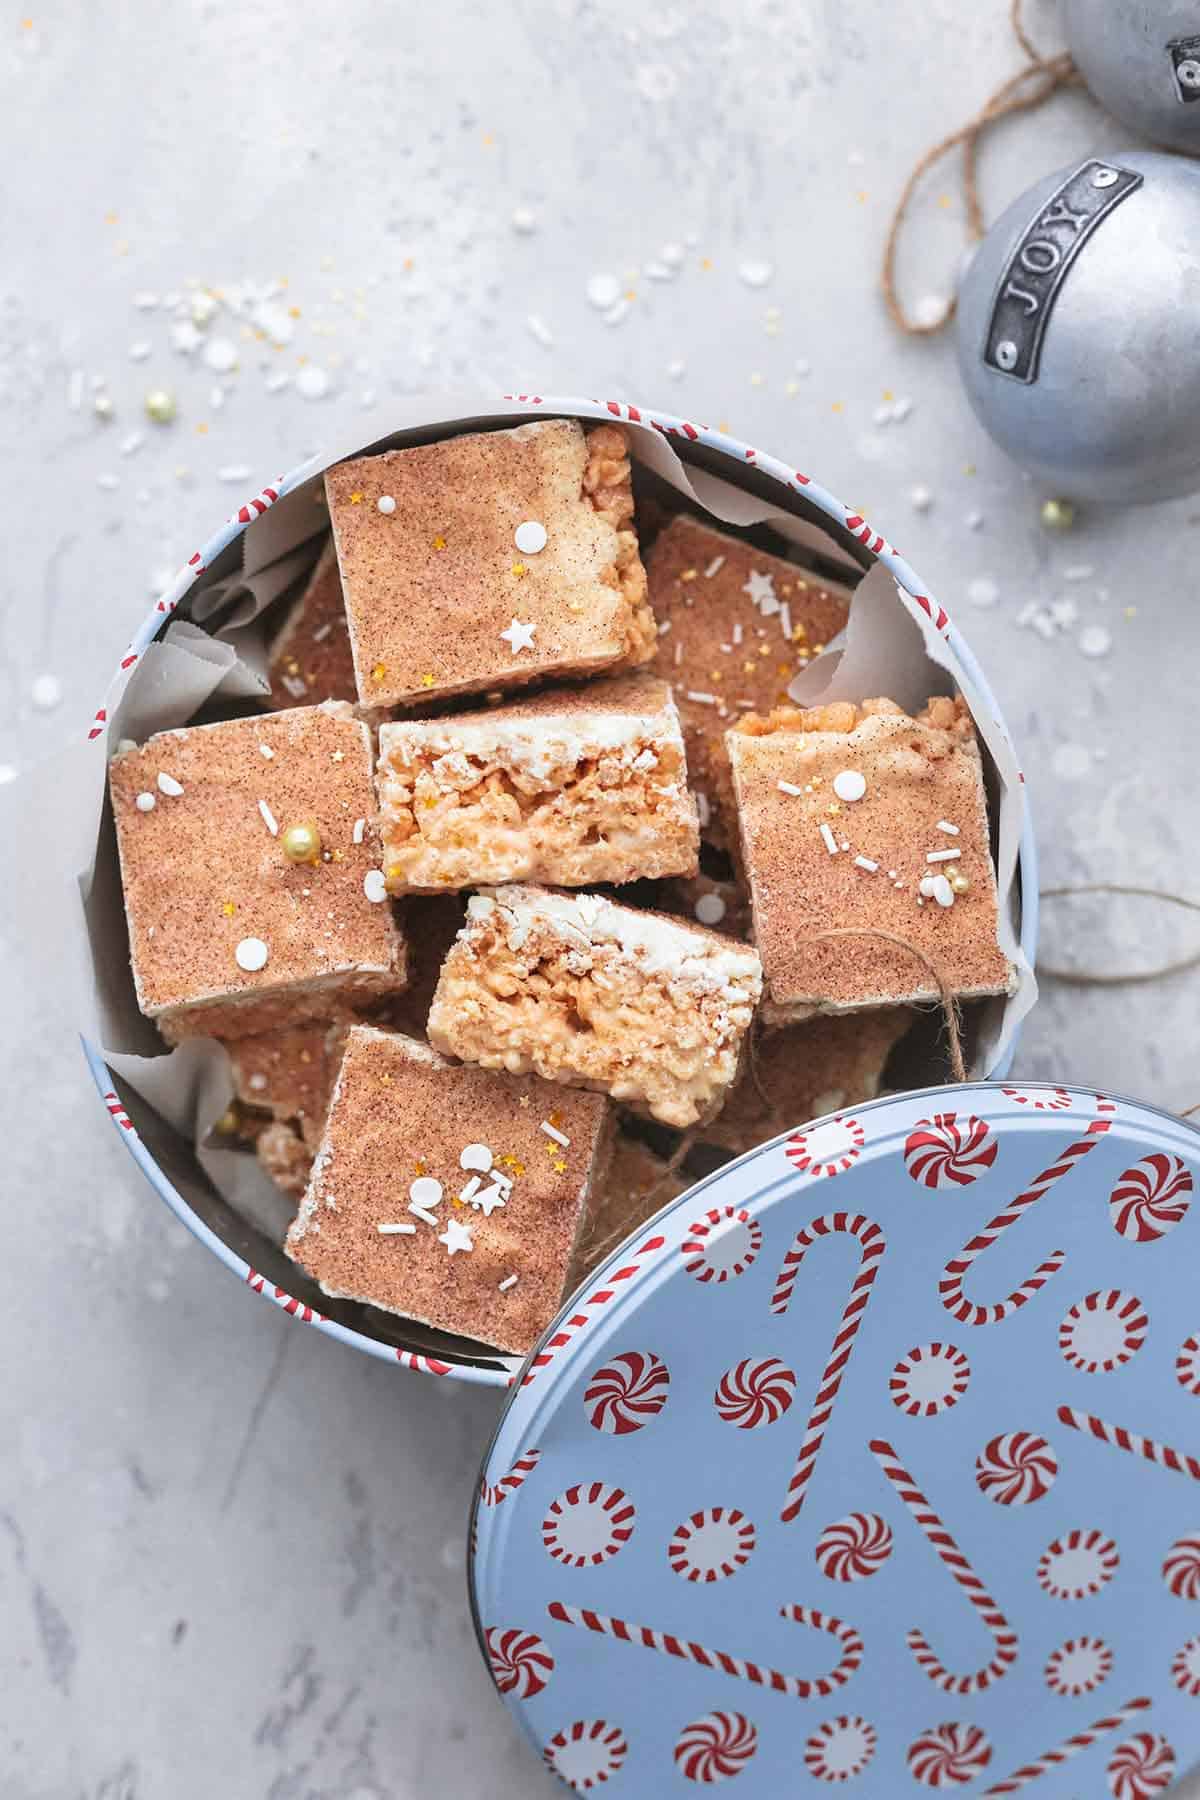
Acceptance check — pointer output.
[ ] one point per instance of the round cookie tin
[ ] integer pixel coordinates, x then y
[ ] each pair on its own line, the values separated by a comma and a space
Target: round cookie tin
714, 451
871, 1463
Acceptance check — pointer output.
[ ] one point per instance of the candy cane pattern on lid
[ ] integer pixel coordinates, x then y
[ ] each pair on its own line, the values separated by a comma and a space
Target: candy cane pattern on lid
873, 1244
712, 1544
422, 1365
296, 1309
600, 1297
949, 1151
626, 1393
950, 1288
1185, 1668
520, 1661
1078, 1667
1016, 1469
586, 1753
1004, 1637
929, 1380
1103, 1331
755, 1392
1053, 1759
1141, 1767
855, 1547
588, 1524
1187, 1364
716, 1747
1048, 1100
721, 1245
840, 1749
948, 1756
1181, 1567
117, 1112
829, 1148
797, 1687
1151, 1198
1180, 1462
1077, 1565
496, 1493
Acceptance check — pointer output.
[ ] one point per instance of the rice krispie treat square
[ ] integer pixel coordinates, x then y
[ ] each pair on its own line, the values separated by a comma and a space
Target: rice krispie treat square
574, 788
447, 1194
641, 1006
736, 627
288, 1073
804, 1071
862, 818
309, 659
489, 561
228, 934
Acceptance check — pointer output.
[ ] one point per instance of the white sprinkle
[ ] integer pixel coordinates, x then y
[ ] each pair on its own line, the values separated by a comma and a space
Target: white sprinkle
702, 699
539, 329
510, 1281
737, 633
8, 772
294, 685
251, 954
973, 521
616, 313
423, 1213
145, 301
703, 809
830, 840
936, 856
456, 1237
678, 654
925, 886
949, 829
901, 409
167, 784
519, 636
216, 397
385, 504
921, 498
476, 1156
266, 750
677, 369
523, 220
375, 886
714, 567
277, 380
139, 351
849, 785
709, 909
109, 482
234, 472
1095, 640
672, 255
258, 1081
470, 1190
145, 802
603, 291
931, 309
322, 632
982, 591
360, 826
491, 1198
891, 874
220, 355
530, 537
396, 1230
788, 787
785, 620
46, 692
1079, 572
755, 274
657, 271
943, 893
203, 308
864, 862
552, 1131
425, 1191
75, 390
664, 625
268, 818
312, 382
844, 844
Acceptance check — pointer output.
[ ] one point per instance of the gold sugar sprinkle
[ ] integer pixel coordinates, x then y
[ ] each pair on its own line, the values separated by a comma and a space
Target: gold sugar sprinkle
439, 542
356, 499
427, 681
519, 569
379, 671
229, 909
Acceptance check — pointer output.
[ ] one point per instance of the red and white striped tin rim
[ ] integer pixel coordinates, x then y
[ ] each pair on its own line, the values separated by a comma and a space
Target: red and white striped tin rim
682, 432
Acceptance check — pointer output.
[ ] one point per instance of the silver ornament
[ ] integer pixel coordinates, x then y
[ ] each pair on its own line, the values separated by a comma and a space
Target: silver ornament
1079, 329
1141, 59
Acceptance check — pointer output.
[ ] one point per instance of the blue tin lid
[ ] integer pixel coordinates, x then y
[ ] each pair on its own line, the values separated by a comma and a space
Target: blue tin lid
874, 1459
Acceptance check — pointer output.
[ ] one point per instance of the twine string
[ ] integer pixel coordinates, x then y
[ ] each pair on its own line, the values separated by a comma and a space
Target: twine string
1028, 89
1077, 977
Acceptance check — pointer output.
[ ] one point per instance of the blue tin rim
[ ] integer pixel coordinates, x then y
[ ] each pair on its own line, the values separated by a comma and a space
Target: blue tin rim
684, 432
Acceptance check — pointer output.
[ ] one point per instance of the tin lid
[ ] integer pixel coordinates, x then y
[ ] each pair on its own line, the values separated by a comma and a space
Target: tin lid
877, 1455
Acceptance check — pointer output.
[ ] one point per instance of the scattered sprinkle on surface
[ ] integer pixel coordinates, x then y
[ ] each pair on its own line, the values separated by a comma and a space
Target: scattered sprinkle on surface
519, 636
709, 909
1095, 640
949, 829
268, 818
145, 802
46, 692
788, 787
425, 1191
360, 826
251, 954
849, 785
530, 537
510, 1281
167, 784
828, 838
552, 1131
397, 1228
938, 856
386, 503
476, 1156
375, 886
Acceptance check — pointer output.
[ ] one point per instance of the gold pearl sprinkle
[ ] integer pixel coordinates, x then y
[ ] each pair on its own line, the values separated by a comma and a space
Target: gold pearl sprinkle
1057, 515
959, 883
160, 405
301, 843
228, 1123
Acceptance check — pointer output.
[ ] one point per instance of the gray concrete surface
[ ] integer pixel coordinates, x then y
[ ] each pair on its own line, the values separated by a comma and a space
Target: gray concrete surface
230, 1555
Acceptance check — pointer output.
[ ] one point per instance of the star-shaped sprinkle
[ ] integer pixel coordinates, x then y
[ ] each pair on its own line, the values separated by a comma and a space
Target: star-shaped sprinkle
456, 1237
518, 636
761, 589
490, 1199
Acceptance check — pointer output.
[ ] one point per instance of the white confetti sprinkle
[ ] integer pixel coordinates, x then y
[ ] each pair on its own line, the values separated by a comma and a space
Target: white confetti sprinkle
145, 801
973, 521
46, 692
476, 1156
360, 826
982, 591
510, 1281
109, 482
312, 382
220, 353
145, 301
132, 443
714, 568
755, 274
702, 699
849, 785
864, 862
603, 291
677, 369
829, 839
530, 537
8, 772
921, 498
552, 1131
931, 309
524, 220
672, 255
519, 636
423, 1213
167, 784
616, 312
139, 351
386, 503
425, 1191
251, 953
1095, 640
709, 909
397, 1229
943, 893
268, 818
266, 750
538, 328
375, 886
788, 787
234, 472
1079, 572
937, 856
949, 829
456, 1237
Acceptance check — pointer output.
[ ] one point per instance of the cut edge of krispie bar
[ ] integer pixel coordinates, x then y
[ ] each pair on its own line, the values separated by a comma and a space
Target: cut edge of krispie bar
575, 788
309, 658
201, 816
380, 1139
642, 1006
638, 1184
870, 855
288, 1073
434, 580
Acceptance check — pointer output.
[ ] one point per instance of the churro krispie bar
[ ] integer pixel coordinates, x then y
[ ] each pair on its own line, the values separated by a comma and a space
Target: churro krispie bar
573, 788
309, 659
489, 561
801, 1072
251, 868
861, 818
447, 1194
737, 625
642, 1006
